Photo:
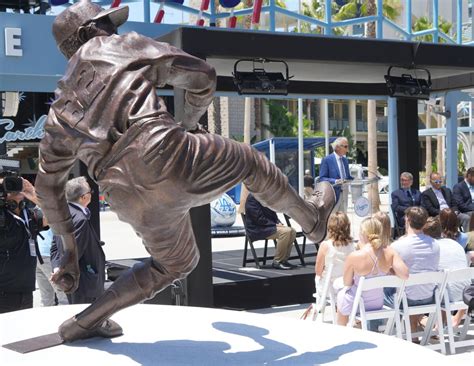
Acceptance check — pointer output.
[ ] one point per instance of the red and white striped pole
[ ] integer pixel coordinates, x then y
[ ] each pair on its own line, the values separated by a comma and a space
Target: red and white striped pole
232, 21
204, 7
257, 10
160, 13
115, 3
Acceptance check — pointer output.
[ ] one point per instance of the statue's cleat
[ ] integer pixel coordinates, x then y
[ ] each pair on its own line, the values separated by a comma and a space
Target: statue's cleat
71, 331
323, 200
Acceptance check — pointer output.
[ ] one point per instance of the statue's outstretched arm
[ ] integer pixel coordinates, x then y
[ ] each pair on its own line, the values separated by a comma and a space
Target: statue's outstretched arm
56, 160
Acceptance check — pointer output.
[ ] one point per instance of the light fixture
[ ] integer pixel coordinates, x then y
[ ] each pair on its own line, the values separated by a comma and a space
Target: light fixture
259, 81
407, 86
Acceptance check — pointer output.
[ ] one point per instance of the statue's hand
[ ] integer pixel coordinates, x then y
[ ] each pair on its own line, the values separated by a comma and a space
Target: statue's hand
66, 277
200, 129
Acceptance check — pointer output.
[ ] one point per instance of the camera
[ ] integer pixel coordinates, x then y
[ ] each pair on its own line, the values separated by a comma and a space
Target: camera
12, 183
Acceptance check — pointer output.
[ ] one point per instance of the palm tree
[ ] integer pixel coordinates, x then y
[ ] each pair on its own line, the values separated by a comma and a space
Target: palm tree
423, 23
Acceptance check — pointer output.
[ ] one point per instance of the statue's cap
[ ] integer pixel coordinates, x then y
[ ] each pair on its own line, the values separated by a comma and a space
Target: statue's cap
67, 22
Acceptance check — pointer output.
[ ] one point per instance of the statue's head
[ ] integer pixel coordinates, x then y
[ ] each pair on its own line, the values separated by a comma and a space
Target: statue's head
70, 28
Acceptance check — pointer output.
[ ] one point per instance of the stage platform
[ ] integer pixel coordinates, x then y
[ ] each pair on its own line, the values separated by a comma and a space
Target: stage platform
174, 335
244, 288
237, 287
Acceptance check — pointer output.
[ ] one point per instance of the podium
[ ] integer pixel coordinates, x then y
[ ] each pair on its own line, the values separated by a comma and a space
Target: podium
359, 205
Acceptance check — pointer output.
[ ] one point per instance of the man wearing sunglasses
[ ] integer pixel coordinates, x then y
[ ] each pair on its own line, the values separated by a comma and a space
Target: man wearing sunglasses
335, 170
438, 197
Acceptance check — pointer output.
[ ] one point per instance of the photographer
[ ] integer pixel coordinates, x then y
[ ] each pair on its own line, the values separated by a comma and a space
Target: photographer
18, 228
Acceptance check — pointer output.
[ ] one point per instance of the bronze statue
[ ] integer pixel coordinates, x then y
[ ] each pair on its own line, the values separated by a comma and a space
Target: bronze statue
151, 169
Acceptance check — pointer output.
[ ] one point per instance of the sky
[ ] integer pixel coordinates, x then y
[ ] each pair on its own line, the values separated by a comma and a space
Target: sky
172, 16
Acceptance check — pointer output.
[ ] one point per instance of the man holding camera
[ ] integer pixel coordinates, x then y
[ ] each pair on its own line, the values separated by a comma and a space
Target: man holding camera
18, 228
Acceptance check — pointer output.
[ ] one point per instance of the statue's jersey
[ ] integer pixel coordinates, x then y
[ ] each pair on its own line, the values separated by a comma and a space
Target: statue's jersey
110, 83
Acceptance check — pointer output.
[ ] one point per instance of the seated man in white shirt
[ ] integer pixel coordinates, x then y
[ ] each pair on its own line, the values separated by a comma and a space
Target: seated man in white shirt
420, 253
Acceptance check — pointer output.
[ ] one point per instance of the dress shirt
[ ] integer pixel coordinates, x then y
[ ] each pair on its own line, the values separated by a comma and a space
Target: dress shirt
441, 199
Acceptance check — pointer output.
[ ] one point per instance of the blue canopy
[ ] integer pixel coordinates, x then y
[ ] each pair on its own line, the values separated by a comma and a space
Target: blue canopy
291, 143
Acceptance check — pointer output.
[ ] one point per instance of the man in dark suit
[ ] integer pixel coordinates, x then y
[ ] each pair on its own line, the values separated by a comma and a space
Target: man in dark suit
463, 195
89, 250
262, 223
439, 197
404, 197
335, 170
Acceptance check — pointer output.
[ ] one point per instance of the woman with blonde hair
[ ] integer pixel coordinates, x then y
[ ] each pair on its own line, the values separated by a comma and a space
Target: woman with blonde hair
384, 219
373, 259
335, 249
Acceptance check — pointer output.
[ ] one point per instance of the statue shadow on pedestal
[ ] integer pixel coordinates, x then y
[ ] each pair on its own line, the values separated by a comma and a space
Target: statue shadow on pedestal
190, 352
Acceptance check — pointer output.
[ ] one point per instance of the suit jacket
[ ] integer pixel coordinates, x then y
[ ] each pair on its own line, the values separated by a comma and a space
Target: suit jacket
260, 221
91, 258
400, 202
329, 171
430, 201
462, 197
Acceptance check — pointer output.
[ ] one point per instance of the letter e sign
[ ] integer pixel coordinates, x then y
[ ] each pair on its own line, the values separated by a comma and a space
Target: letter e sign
13, 42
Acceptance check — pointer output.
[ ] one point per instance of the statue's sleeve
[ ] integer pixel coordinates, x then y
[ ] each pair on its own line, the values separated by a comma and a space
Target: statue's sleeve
195, 76
57, 157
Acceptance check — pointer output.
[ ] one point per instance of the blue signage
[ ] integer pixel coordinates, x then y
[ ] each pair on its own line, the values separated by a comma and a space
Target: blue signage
33, 132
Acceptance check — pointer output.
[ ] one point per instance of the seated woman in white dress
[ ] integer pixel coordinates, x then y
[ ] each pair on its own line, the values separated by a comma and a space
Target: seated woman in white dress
334, 250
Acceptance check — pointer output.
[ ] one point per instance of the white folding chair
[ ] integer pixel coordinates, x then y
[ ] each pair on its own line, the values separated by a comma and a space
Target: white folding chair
424, 278
327, 295
448, 306
391, 314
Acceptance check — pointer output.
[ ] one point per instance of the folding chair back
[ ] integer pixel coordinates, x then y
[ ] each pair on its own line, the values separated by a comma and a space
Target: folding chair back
322, 298
391, 314
448, 306
434, 310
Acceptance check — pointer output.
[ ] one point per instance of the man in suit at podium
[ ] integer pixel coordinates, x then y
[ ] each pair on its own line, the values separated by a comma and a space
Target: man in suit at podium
463, 196
335, 170
404, 197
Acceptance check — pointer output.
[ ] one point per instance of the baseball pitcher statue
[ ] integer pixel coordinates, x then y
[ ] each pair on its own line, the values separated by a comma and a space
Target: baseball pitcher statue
107, 115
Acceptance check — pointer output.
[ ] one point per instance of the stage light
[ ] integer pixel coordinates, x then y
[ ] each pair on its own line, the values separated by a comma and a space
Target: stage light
407, 86
259, 81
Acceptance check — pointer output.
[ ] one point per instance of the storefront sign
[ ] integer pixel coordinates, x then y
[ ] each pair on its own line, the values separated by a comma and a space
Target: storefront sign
13, 42
33, 132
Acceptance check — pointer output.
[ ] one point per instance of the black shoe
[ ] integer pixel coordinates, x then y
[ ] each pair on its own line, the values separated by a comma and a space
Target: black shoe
288, 264
280, 265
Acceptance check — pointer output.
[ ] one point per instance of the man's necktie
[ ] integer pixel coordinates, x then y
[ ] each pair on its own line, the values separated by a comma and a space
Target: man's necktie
341, 165
88, 213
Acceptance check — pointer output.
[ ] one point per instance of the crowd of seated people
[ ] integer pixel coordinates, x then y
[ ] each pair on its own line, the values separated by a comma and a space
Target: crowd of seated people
434, 200
431, 243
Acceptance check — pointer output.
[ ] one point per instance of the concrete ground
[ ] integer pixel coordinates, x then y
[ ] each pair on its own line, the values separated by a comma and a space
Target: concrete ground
122, 242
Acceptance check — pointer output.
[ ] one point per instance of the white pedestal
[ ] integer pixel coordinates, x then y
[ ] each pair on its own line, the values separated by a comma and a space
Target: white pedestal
171, 335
